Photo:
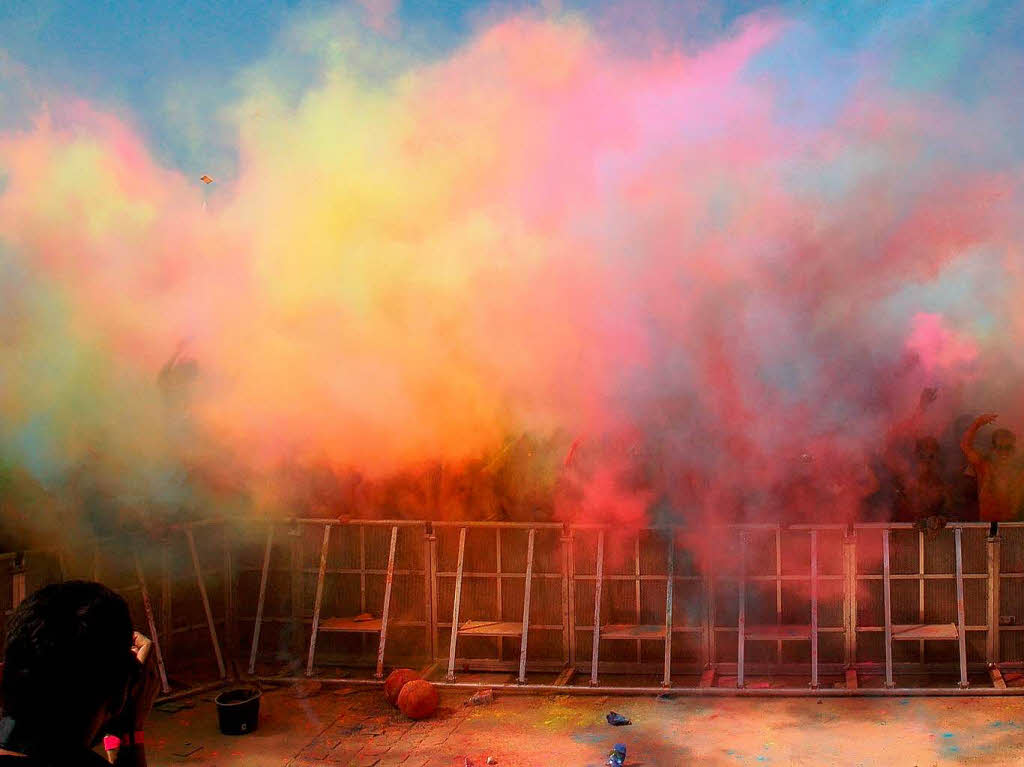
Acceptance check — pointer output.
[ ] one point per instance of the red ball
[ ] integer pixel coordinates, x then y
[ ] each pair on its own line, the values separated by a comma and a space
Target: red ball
418, 699
396, 681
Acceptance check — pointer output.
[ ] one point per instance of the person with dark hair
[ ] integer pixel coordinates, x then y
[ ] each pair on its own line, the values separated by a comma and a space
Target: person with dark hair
1000, 476
923, 496
74, 669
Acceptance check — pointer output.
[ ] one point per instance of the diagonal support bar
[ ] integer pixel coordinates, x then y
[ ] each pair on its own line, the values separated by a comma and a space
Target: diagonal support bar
264, 576
526, 608
960, 623
147, 605
386, 611
206, 601
318, 601
450, 676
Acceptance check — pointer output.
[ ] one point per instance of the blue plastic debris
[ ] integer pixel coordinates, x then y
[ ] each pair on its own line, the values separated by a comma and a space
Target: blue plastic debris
618, 720
617, 757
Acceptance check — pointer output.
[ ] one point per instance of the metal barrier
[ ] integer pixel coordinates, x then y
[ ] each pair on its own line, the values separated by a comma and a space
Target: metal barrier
694, 609
365, 558
809, 600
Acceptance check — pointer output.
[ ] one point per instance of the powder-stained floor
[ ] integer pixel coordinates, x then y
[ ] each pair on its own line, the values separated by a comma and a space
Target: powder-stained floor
346, 727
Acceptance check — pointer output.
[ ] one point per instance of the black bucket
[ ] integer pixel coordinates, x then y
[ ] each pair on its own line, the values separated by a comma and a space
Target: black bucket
238, 711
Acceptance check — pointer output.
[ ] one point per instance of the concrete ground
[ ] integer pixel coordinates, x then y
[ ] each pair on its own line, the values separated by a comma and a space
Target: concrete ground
358, 727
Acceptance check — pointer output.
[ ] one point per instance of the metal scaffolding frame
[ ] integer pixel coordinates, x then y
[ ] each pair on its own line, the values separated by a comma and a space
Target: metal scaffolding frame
881, 586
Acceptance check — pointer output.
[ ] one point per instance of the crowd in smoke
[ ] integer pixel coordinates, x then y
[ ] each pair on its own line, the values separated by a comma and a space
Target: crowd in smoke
550, 272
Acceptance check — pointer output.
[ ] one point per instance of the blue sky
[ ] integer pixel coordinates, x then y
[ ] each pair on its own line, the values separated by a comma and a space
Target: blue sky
167, 64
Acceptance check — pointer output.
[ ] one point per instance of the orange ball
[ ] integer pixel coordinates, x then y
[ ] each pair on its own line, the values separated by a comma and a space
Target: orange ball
396, 681
418, 699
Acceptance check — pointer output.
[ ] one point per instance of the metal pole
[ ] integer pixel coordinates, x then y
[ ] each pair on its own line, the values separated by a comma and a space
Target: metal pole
500, 603
636, 592
595, 650
568, 601
166, 616
430, 590
297, 584
362, 584
526, 609
850, 546
710, 614
814, 609
778, 590
262, 600
319, 598
886, 585
230, 625
147, 606
742, 620
920, 592
450, 676
666, 680
992, 548
386, 611
960, 623
696, 692
206, 601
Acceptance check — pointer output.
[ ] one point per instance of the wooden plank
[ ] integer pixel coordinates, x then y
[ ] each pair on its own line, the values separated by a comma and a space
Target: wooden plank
779, 633
633, 631
707, 677
491, 628
929, 631
351, 625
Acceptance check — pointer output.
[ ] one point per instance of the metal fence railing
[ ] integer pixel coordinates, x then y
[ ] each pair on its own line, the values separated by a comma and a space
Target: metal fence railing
719, 607
732, 601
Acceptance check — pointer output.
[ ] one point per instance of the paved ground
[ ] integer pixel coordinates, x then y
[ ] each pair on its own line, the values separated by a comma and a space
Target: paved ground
358, 728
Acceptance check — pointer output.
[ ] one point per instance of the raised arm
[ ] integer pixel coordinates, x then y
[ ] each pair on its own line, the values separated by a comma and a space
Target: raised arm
967, 443
899, 441
129, 724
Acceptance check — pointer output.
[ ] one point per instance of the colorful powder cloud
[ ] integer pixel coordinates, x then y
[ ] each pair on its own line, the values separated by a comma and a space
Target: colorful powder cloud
701, 262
